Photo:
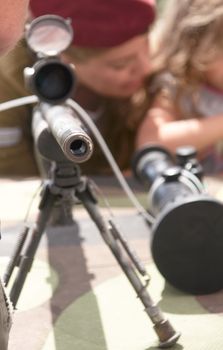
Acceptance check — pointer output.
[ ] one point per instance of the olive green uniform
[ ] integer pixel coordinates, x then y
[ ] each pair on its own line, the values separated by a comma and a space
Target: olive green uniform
16, 144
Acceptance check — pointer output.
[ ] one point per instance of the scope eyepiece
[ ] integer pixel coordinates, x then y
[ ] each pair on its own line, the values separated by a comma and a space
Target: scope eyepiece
51, 80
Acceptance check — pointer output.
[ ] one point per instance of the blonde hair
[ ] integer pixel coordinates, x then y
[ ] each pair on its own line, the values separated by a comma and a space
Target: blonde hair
188, 36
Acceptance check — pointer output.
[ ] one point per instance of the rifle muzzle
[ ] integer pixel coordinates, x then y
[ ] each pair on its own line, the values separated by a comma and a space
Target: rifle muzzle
68, 131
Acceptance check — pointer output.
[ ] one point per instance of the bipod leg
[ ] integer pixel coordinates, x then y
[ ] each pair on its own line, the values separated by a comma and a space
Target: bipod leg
14, 259
25, 260
166, 334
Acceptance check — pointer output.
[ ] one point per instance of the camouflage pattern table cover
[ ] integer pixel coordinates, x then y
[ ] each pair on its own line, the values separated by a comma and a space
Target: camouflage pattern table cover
76, 296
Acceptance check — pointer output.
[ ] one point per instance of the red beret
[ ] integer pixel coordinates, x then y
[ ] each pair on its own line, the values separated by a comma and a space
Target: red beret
100, 23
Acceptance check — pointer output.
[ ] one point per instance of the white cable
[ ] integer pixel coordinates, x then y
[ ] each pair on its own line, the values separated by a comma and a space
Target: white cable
87, 120
18, 102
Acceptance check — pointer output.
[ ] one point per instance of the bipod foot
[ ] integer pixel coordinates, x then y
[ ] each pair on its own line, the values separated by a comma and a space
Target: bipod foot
166, 334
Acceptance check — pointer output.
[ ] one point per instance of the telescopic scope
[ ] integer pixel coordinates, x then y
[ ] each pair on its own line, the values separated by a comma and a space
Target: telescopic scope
53, 81
187, 235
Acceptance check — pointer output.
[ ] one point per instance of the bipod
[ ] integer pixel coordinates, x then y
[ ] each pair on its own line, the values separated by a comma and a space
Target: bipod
66, 181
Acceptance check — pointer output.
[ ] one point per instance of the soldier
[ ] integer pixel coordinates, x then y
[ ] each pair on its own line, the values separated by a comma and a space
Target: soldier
110, 51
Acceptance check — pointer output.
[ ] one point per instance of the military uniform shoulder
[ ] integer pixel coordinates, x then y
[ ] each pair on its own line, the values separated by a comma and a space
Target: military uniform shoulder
12, 66
15, 60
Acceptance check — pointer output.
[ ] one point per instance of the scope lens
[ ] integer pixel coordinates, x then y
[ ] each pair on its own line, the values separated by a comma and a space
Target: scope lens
78, 148
53, 82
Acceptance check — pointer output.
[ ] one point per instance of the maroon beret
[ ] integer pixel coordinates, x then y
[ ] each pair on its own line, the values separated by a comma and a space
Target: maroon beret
100, 23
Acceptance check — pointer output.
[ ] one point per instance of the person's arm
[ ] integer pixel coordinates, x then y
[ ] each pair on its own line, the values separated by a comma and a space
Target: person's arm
162, 126
12, 17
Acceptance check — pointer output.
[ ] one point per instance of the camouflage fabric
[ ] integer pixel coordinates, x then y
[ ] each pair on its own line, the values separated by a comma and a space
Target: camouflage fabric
5, 319
77, 297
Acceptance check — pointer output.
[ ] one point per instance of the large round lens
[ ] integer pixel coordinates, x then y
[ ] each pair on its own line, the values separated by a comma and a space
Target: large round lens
53, 82
49, 35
